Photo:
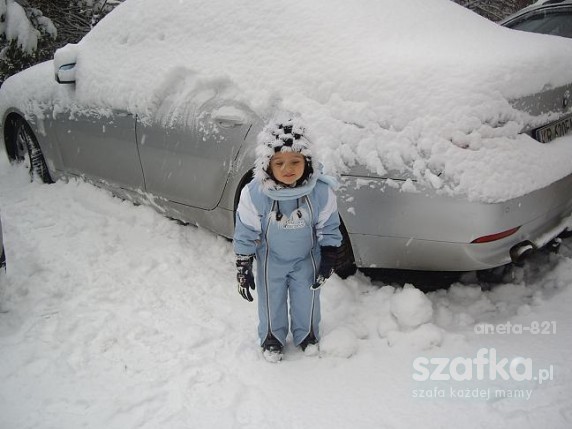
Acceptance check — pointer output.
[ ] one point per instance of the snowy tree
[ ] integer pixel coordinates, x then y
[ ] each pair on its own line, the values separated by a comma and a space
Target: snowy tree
24, 35
31, 30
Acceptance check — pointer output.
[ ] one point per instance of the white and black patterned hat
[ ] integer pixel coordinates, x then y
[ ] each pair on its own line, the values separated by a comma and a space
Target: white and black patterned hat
282, 136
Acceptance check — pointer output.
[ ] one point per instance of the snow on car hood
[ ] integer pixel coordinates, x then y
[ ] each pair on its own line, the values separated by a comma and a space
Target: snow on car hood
416, 89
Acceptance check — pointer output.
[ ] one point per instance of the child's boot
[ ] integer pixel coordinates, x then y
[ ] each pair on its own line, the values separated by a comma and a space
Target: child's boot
272, 349
309, 345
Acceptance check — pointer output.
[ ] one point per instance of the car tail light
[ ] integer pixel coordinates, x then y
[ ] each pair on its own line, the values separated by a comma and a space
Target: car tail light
495, 237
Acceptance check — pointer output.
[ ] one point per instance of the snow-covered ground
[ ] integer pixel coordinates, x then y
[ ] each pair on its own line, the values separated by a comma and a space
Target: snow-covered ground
116, 317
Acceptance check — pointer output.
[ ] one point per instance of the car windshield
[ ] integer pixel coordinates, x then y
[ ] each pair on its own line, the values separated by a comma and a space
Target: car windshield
558, 23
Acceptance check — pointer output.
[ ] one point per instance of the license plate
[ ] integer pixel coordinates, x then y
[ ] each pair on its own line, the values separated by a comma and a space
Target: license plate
554, 130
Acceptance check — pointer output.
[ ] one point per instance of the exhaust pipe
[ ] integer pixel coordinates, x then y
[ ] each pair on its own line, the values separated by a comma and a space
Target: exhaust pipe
520, 251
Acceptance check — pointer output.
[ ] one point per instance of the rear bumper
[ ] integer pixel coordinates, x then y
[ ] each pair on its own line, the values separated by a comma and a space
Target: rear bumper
425, 231
426, 255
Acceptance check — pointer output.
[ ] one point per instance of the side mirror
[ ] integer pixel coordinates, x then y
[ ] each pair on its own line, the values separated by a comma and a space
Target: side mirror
64, 63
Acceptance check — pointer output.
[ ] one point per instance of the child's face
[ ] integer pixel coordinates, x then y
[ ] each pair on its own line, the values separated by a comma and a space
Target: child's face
287, 167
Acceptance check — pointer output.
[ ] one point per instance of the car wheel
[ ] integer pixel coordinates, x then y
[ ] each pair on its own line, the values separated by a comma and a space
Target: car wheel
345, 261
27, 148
2, 258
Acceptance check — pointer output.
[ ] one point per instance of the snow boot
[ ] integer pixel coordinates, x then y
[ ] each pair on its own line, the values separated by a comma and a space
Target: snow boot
272, 349
309, 345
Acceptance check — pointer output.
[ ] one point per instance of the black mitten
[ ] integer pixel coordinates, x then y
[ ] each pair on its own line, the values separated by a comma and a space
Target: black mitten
244, 276
327, 265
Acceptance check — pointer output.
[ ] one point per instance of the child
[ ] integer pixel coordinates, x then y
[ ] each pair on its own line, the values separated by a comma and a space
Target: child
287, 218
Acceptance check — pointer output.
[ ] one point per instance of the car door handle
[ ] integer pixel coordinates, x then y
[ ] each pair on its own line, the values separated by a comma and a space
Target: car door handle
228, 124
229, 118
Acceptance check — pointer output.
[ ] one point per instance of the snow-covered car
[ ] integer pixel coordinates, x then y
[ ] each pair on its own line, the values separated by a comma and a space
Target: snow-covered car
545, 17
449, 133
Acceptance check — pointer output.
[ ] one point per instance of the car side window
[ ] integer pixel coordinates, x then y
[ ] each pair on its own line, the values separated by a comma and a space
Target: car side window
553, 22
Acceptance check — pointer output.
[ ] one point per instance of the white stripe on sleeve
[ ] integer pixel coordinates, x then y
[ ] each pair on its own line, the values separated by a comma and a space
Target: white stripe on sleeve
330, 208
247, 211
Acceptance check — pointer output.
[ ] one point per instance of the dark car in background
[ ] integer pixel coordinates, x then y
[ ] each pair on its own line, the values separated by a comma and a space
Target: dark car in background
545, 17
2, 253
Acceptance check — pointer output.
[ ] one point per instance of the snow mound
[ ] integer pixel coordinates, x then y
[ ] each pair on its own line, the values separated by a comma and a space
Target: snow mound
105, 330
421, 338
341, 343
411, 307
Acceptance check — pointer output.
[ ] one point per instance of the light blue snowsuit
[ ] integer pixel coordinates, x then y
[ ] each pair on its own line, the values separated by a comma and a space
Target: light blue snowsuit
287, 251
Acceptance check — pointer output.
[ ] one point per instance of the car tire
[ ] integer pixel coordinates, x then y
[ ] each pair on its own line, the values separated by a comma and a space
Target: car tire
14, 149
2, 258
24, 138
345, 261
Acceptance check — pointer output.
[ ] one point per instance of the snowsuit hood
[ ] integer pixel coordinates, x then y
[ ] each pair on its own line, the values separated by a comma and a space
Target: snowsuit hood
287, 136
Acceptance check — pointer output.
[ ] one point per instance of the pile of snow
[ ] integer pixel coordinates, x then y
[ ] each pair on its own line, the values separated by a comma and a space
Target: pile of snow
414, 89
117, 317
411, 307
